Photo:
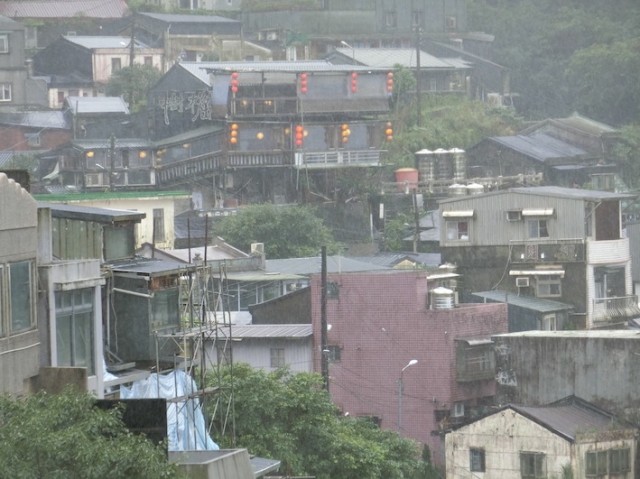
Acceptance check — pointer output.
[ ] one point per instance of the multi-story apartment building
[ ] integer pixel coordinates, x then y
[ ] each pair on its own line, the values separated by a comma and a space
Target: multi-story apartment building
565, 244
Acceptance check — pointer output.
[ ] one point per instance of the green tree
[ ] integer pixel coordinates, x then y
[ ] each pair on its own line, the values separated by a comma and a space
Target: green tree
627, 153
290, 417
287, 232
66, 436
133, 83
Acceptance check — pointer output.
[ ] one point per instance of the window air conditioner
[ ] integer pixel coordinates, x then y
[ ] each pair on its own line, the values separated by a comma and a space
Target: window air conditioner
522, 282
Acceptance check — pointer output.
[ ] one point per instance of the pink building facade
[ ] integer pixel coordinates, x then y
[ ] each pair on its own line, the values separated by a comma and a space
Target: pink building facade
377, 324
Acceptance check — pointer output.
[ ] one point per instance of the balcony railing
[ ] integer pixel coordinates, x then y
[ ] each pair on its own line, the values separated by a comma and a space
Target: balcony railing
570, 250
615, 308
256, 107
338, 158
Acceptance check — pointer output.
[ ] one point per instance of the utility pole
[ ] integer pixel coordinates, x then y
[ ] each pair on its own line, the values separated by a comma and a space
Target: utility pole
416, 218
112, 159
418, 79
324, 350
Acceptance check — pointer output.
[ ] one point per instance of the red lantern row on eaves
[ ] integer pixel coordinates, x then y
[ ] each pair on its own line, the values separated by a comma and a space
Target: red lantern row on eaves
304, 77
234, 82
354, 82
390, 82
299, 136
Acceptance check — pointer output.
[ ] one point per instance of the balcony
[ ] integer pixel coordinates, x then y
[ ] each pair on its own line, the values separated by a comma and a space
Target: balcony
570, 250
614, 309
610, 251
264, 107
338, 158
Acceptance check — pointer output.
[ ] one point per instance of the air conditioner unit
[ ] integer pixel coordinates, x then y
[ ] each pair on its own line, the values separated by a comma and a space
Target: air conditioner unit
451, 23
93, 179
458, 409
522, 282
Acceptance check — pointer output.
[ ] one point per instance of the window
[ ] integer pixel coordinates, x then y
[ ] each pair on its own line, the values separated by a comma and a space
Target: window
116, 64
433, 84
390, 19
148, 61
4, 43
476, 460
417, 18
334, 353
532, 465
474, 360
5, 91
158, 224
74, 328
596, 463
514, 215
277, 357
33, 139
548, 286
537, 228
548, 322
619, 461
333, 290
21, 295
457, 230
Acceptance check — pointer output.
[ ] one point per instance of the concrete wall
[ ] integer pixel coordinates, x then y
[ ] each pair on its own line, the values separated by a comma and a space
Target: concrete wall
19, 351
380, 322
537, 367
503, 436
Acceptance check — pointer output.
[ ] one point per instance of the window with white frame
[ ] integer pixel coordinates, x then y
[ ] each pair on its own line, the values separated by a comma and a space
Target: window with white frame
537, 228
116, 64
158, 224
457, 230
4, 43
21, 297
548, 286
74, 328
390, 19
277, 358
532, 465
5, 92
548, 322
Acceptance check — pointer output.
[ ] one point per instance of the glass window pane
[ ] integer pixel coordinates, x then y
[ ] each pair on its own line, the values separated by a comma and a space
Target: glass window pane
21, 301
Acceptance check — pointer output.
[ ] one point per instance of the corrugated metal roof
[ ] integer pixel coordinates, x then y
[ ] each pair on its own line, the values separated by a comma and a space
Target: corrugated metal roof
307, 266
64, 9
283, 66
540, 146
271, 331
406, 57
150, 266
577, 334
183, 18
97, 144
95, 41
569, 419
35, 119
97, 104
577, 193
91, 213
110, 195
528, 302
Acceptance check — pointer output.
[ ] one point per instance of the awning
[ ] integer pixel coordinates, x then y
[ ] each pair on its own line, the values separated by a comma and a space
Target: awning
457, 214
54, 174
537, 212
537, 272
476, 341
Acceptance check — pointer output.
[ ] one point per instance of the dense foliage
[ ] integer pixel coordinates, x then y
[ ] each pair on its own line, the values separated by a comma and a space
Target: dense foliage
133, 84
286, 231
290, 417
65, 436
567, 55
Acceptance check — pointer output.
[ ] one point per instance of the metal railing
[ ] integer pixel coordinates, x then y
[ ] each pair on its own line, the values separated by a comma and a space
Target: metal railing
614, 308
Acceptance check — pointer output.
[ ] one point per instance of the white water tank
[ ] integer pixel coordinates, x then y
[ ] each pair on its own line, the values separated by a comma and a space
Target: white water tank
442, 298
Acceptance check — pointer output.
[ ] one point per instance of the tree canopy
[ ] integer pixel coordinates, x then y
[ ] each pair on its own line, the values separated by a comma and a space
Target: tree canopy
285, 231
567, 55
66, 436
133, 84
290, 417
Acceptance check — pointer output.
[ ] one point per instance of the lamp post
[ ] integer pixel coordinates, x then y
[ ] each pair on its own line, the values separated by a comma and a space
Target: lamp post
353, 50
401, 391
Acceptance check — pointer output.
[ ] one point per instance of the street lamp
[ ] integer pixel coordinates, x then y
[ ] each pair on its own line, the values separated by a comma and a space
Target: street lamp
353, 50
400, 391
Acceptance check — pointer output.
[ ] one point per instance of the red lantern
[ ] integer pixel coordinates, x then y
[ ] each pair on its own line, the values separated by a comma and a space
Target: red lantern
303, 83
388, 131
299, 135
354, 82
234, 82
390, 82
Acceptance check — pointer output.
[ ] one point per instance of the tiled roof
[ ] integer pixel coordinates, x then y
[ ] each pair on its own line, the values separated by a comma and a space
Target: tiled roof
569, 418
64, 8
35, 119
540, 146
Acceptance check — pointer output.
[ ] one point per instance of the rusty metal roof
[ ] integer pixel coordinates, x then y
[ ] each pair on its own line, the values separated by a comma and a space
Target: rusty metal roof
64, 8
